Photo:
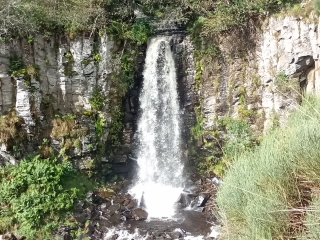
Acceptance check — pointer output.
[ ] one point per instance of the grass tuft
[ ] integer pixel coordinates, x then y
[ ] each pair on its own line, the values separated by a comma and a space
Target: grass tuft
261, 189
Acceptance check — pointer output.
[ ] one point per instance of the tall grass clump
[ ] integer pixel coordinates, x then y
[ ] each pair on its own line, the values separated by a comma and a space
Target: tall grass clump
262, 187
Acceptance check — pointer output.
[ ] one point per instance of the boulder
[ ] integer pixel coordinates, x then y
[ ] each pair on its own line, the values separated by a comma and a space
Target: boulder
115, 207
132, 204
200, 200
139, 214
82, 217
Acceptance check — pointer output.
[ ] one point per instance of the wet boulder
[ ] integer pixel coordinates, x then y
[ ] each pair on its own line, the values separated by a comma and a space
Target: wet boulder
139, 214
200, 200
82, 217
184, 200
132, 204
114, 208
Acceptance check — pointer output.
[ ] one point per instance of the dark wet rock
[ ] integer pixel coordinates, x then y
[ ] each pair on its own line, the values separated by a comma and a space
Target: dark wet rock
200, 200
115, 207
303, 63
120, 159
63, 233
185, 199
82, 217
139, 214
115, 218
198, 209
121, 168
119, 199
132, 204
127, 214
126, 202
176, 235
79, 205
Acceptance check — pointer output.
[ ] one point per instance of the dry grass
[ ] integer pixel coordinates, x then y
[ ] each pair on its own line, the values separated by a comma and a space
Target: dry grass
68, 131
66, 126
11, 132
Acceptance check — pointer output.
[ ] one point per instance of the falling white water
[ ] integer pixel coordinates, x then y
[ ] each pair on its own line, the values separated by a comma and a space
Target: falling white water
159, 158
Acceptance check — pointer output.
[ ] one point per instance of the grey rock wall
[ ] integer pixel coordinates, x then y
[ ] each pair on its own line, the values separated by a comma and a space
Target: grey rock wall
67, 74
244, 78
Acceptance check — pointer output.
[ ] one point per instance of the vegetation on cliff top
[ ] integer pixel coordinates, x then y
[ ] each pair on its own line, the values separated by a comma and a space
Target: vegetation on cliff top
272, 192
26, 17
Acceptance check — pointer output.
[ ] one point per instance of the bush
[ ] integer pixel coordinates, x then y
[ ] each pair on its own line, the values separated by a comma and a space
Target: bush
27, 17
97, 99
261, 187
36, 194
141, 31
228, 14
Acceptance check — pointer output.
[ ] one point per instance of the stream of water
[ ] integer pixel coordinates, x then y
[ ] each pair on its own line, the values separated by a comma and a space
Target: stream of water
160, 174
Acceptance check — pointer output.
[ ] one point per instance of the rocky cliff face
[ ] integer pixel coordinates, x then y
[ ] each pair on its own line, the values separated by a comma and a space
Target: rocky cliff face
50, 78
47, 84
259, 73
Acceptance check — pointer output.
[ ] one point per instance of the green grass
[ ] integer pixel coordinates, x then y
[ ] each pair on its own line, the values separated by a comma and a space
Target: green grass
260, 187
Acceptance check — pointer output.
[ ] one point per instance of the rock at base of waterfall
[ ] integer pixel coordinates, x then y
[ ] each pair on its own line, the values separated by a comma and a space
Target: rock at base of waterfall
82, 217
200, 200
115, 207
139, 214
132, 204
184, 200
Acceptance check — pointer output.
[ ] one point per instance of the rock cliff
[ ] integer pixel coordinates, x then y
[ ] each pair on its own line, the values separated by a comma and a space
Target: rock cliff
258, 73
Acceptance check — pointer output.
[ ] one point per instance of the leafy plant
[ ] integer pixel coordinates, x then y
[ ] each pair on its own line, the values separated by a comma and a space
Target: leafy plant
97, 99
141, 31
30, 39
15, 64
97, 57
100, 125
36, 193
116, 126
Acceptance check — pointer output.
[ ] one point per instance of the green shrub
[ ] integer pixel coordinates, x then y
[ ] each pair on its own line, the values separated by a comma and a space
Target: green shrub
224, 15
36, 194
261, 187
97, 99
141, 31
99, 125
15, 64
239, 137
25, 18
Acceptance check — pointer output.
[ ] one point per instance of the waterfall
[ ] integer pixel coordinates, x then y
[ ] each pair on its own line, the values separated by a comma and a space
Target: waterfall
159, 157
